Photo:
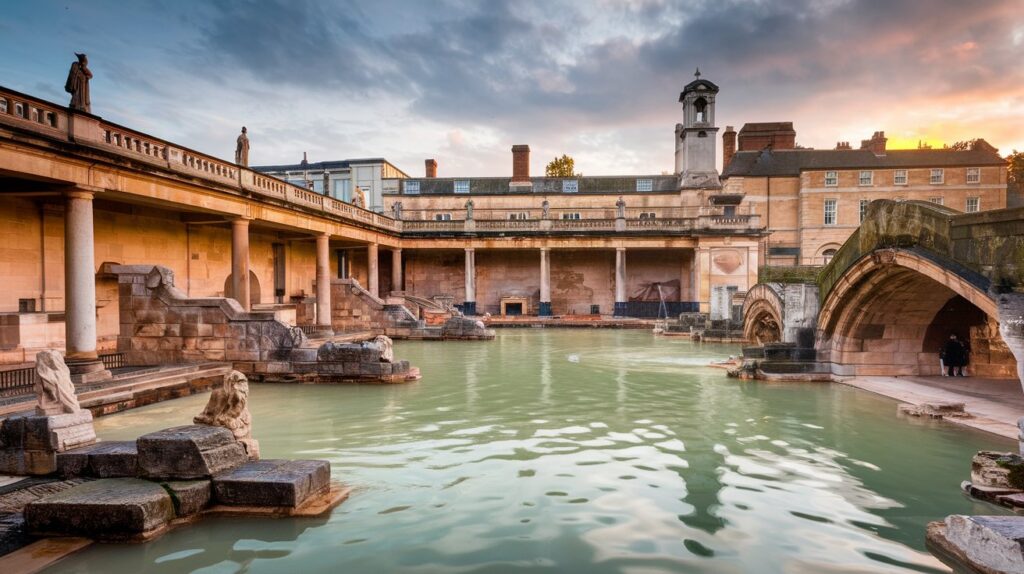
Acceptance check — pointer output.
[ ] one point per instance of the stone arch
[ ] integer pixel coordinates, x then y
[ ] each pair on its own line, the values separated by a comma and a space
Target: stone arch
762, 315
884, 316
254, 288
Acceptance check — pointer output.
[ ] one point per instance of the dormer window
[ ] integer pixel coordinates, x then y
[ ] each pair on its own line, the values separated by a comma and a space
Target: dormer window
462, 186
412, 187
570, 185
645, 185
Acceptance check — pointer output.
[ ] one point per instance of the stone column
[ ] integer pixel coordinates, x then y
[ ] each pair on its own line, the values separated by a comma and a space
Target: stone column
469, 304
372, 273
323, 282
702, 278
396, 269
240, 262
545, 283
620, 282
80, 289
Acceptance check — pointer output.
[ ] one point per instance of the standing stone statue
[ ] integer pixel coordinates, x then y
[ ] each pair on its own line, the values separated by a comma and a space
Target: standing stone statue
55, 393
228, 407
78, 84
469, 209
242, 148
620, 208
396, 209
545, 209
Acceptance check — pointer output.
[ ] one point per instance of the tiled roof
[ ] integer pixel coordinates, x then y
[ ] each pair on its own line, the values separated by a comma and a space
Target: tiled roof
792, 162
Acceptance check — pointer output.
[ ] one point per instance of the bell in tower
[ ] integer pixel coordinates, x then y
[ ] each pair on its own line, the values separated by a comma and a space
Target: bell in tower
696, 136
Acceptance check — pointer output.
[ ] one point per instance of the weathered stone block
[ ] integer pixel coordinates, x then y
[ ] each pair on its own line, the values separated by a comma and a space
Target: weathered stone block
189, 496
188, 452
998, 470
272, 483
993, 542
106, 509
110, 459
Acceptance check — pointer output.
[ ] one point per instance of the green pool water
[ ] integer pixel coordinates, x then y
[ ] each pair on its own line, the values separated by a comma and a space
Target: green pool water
580, 451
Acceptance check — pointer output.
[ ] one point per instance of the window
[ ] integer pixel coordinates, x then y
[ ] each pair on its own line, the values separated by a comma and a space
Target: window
866, 177
573, 215
3, 105
461, 186
830, 211
935, 200
899, 177
973, 204
342, 189
828, 254
442, 217
570, 185
974, 175
645, 185
937, 176
318, 185
864, 203
647, 215
519, 215
19, 110
412, 187
831, 178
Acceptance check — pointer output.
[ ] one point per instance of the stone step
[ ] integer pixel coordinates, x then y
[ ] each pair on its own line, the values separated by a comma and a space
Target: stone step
188, 452
110, 459
107, 509
286, 483
125, 391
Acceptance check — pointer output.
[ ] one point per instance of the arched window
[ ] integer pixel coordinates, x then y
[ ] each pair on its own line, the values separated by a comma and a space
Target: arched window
700, 107
828, 254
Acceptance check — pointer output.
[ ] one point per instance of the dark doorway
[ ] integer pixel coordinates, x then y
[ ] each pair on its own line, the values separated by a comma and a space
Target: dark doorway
279, 273
513, 309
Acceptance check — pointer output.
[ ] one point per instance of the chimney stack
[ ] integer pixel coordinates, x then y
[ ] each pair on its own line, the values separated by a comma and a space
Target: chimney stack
843, 145
431, 167
876, 144
728, 146
520, 164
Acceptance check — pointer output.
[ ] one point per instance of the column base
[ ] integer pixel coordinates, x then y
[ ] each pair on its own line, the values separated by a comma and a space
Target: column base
320, 331
469, 308
620, 309
85, 371
544, 310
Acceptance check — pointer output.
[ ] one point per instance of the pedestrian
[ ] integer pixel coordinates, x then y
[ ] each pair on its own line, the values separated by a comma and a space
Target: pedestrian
953, 357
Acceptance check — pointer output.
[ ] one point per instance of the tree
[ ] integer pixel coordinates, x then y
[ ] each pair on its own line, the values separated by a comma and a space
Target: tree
561, 167
1015, 179
962, 145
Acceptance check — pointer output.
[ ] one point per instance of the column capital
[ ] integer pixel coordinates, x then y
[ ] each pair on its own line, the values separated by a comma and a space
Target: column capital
545, 249
82, 191
620, 249
470, 249
239, 221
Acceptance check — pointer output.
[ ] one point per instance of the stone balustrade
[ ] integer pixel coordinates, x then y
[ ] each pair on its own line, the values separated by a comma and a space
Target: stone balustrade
47, 119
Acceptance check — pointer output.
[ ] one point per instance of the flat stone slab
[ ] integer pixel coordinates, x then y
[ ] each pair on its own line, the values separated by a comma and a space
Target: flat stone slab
189, 496
285, 483
110, 459
105, 509
189, 452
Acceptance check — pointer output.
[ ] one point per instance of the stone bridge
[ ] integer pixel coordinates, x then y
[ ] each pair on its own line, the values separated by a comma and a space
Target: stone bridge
911, 275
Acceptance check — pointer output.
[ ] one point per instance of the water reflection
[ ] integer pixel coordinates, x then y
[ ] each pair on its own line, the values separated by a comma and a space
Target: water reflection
582, 452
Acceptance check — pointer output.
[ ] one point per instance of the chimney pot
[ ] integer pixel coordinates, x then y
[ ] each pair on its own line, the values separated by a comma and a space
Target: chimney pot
431, 165
520, 163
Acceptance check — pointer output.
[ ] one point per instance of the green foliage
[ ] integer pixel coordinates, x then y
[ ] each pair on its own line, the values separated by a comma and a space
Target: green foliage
1015, 169
962, 145
561, 167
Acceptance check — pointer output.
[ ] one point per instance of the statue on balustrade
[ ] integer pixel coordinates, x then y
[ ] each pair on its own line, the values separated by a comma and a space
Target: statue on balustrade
620, 208
469, 209
396, 208
545, 209
242, 148
78, 84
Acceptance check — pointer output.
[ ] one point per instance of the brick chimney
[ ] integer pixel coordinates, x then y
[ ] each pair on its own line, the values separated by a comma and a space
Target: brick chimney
728, 146
876, 144
431, 167
843, 145
520, 164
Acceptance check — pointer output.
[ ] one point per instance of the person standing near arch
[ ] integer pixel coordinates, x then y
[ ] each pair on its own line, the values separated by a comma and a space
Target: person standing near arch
953, 356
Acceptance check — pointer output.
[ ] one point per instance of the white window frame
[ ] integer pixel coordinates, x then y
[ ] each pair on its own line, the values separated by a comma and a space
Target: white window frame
461, 186
899, 177
834, 203
442, 216
518, 215
937, 200
574, 215
973, 175
412, 187
648, 215
644, 185
831, 179
864, 203
937, 176
976, 207
570, 185
870, 179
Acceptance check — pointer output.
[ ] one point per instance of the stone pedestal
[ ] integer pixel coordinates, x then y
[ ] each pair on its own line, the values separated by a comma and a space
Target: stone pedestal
29, 444
84, 372
188, 452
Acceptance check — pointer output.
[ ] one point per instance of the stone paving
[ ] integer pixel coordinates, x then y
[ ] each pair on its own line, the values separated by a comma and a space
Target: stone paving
995, 404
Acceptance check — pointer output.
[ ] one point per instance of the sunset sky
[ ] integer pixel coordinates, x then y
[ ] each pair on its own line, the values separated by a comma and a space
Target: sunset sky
463, 81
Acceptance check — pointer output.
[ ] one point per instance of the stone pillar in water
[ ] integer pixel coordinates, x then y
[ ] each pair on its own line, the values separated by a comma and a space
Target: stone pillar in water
469, 304
620, 282
545, 283
240, 262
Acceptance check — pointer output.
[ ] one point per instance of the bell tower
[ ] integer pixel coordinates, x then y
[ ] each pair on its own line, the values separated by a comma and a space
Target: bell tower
696, 136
